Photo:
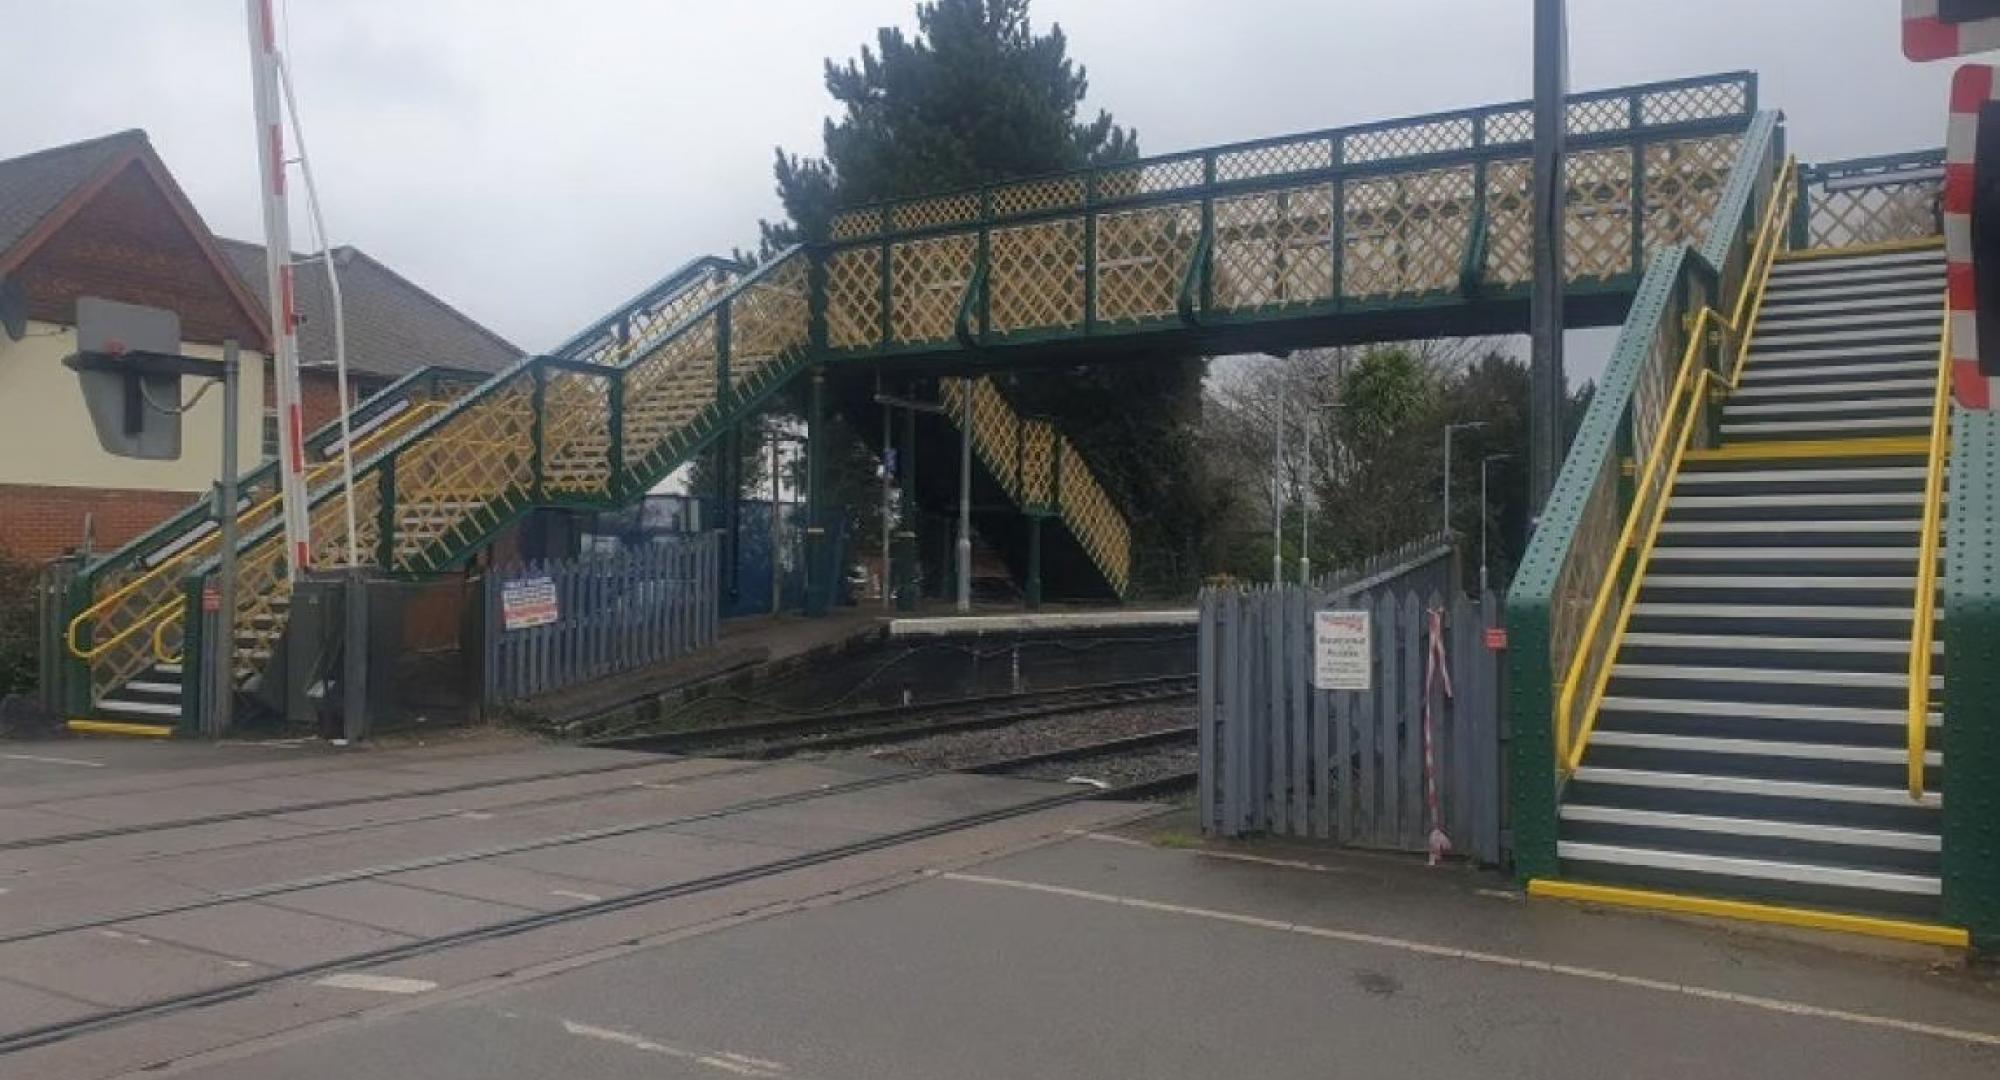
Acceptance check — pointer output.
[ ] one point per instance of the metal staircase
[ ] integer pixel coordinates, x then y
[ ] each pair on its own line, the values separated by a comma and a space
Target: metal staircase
1758, 736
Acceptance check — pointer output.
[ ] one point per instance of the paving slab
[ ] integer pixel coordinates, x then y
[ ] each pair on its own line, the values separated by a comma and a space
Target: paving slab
116, 967
265, 934
113, 892
669, 858
512, 885
397, 908
24, 1007
33, 824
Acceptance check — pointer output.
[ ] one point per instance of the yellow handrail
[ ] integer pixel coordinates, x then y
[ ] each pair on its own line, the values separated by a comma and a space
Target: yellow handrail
403, 421
1922, 630
1692, 388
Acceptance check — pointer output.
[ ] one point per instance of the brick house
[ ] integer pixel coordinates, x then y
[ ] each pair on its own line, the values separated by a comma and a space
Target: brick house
105, 218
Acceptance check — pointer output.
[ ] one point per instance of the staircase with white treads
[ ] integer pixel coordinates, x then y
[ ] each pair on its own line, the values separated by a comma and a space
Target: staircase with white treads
1752, 738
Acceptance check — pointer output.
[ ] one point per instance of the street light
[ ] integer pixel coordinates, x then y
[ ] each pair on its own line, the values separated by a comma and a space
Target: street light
1469, 425
1278, 501
1483, 514
1305, 501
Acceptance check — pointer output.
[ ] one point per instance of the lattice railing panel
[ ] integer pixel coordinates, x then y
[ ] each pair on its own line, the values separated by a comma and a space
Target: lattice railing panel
1406, 234
854, 298
576, 434
1036, 280
664, 392
1875, 214
1408, 140
956, 209
994, 435
768, 324
1038, 465
927, 281
1033, 196
1684, 182
1597, 216
1142, 256
1274, 249
648, 325
480, 458
1275, 159
1091, 518
1157, 177
1704, 101
1510, 229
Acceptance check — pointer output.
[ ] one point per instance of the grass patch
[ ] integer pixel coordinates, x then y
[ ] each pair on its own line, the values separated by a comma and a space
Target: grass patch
1173, 838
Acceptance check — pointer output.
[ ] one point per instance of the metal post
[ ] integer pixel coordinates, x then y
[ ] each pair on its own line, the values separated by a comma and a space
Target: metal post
1305, 507
354, 658
1035, 562
965, 499
906, 593
815, 545
1470, 425
888, 496
222, 646
1278, 502
1485, 510
776, 532
1548, 393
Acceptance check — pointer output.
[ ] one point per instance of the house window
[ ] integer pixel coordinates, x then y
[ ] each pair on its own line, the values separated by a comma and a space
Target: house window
270, 433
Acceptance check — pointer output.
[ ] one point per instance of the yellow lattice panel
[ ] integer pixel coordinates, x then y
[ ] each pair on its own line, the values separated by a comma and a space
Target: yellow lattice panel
959, 209
668, 389
481, 457
1597, 214
1142, 255
1406, 234
1878, 213
576, 434
994, 425
1038, 464
854, 298
1274, 248
1088, 512
855, 224
1408, 140
1275, 159
648, 326
927, 281
768, 324
1701, 102
1510, 234
1149, 178
1030, 196
1684, 182
1035, 277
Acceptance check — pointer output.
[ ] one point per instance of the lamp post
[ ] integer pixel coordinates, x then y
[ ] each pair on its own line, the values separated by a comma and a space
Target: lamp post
1278, 501
1305, 501
1469, 425
1483, 514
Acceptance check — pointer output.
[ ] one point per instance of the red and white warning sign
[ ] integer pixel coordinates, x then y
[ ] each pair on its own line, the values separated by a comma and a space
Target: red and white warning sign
1936, 29
1971, 209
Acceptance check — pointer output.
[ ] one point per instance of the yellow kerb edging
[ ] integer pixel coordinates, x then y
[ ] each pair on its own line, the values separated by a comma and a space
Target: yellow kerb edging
107, 727
1746, 911
1883, 248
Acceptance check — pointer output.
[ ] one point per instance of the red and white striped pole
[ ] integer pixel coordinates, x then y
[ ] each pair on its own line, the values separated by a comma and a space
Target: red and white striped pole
1972, 89
278, 277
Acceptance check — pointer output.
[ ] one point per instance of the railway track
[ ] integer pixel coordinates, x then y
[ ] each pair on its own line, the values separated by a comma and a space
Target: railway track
885, 725
1154, 756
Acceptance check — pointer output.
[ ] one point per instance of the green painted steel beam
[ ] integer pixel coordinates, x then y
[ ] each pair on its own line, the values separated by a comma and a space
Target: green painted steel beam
1971, 629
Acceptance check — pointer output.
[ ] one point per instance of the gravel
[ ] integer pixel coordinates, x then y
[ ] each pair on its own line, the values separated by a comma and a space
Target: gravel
1120, 770
967, 748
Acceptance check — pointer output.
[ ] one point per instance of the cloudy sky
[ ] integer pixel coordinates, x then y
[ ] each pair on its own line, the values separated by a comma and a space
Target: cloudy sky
536, 162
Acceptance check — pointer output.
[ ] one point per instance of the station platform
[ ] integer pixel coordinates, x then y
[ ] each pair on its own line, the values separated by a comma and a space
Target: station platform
1022, 622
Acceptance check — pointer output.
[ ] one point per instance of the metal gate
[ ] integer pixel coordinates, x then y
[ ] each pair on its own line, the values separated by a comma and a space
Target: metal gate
1279, 755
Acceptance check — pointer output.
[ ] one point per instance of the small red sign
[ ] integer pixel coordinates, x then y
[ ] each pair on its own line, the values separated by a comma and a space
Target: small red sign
1496, 638
211, 598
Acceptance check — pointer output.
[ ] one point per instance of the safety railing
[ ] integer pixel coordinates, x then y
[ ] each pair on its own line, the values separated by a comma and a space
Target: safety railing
1923, 626
1644, 411
1712, 361
1043, 472
1354, 219
638, 324
1866, 201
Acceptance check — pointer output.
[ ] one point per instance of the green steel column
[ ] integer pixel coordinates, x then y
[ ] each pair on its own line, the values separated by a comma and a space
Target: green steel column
906, 532
194, 651
819, 569
1035, 561
1971, 631
1801, 238
1531, 751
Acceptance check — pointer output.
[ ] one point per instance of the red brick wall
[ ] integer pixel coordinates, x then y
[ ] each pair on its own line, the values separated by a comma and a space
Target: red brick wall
39, 523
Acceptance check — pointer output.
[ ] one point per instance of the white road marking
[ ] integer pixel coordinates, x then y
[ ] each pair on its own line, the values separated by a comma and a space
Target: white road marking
41, 760
1448, 952
1209, 853
588, 898
737, 1064
475, 815
1498, 894
380, 984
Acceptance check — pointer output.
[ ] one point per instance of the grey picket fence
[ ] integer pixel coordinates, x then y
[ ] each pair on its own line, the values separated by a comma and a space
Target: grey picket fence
1280, 756
613, 613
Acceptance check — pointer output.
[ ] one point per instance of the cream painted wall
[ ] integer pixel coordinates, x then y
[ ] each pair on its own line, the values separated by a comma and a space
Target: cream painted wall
46, 436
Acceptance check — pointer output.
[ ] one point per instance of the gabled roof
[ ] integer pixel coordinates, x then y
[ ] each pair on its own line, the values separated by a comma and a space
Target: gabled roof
42, 191
393, 327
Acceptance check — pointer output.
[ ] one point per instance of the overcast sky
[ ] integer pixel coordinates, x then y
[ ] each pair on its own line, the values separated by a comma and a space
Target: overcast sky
536, 162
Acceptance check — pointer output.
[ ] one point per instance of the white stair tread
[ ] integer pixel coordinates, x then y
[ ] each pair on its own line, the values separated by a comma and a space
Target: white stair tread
1767, 345
1859, 267
1799, 554
143, 708
1875, 755
1765, 869
148, 687
1907, 525
1777, 581
1781, 830
1761, 357
1775, 611
1780, 295
1904, 300
1913, 402
1799, 498
1788, 375
1794, 676
1835, 424
1834, 390
1775, 643
1757, 785
1772, 710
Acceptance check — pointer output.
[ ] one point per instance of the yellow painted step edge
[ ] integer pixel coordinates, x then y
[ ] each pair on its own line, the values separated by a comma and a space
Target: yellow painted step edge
1817, 448
107, 727
1884, 247
1808, 918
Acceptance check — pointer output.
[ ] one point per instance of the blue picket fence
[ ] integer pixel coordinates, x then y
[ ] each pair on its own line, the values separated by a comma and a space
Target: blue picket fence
559, 622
